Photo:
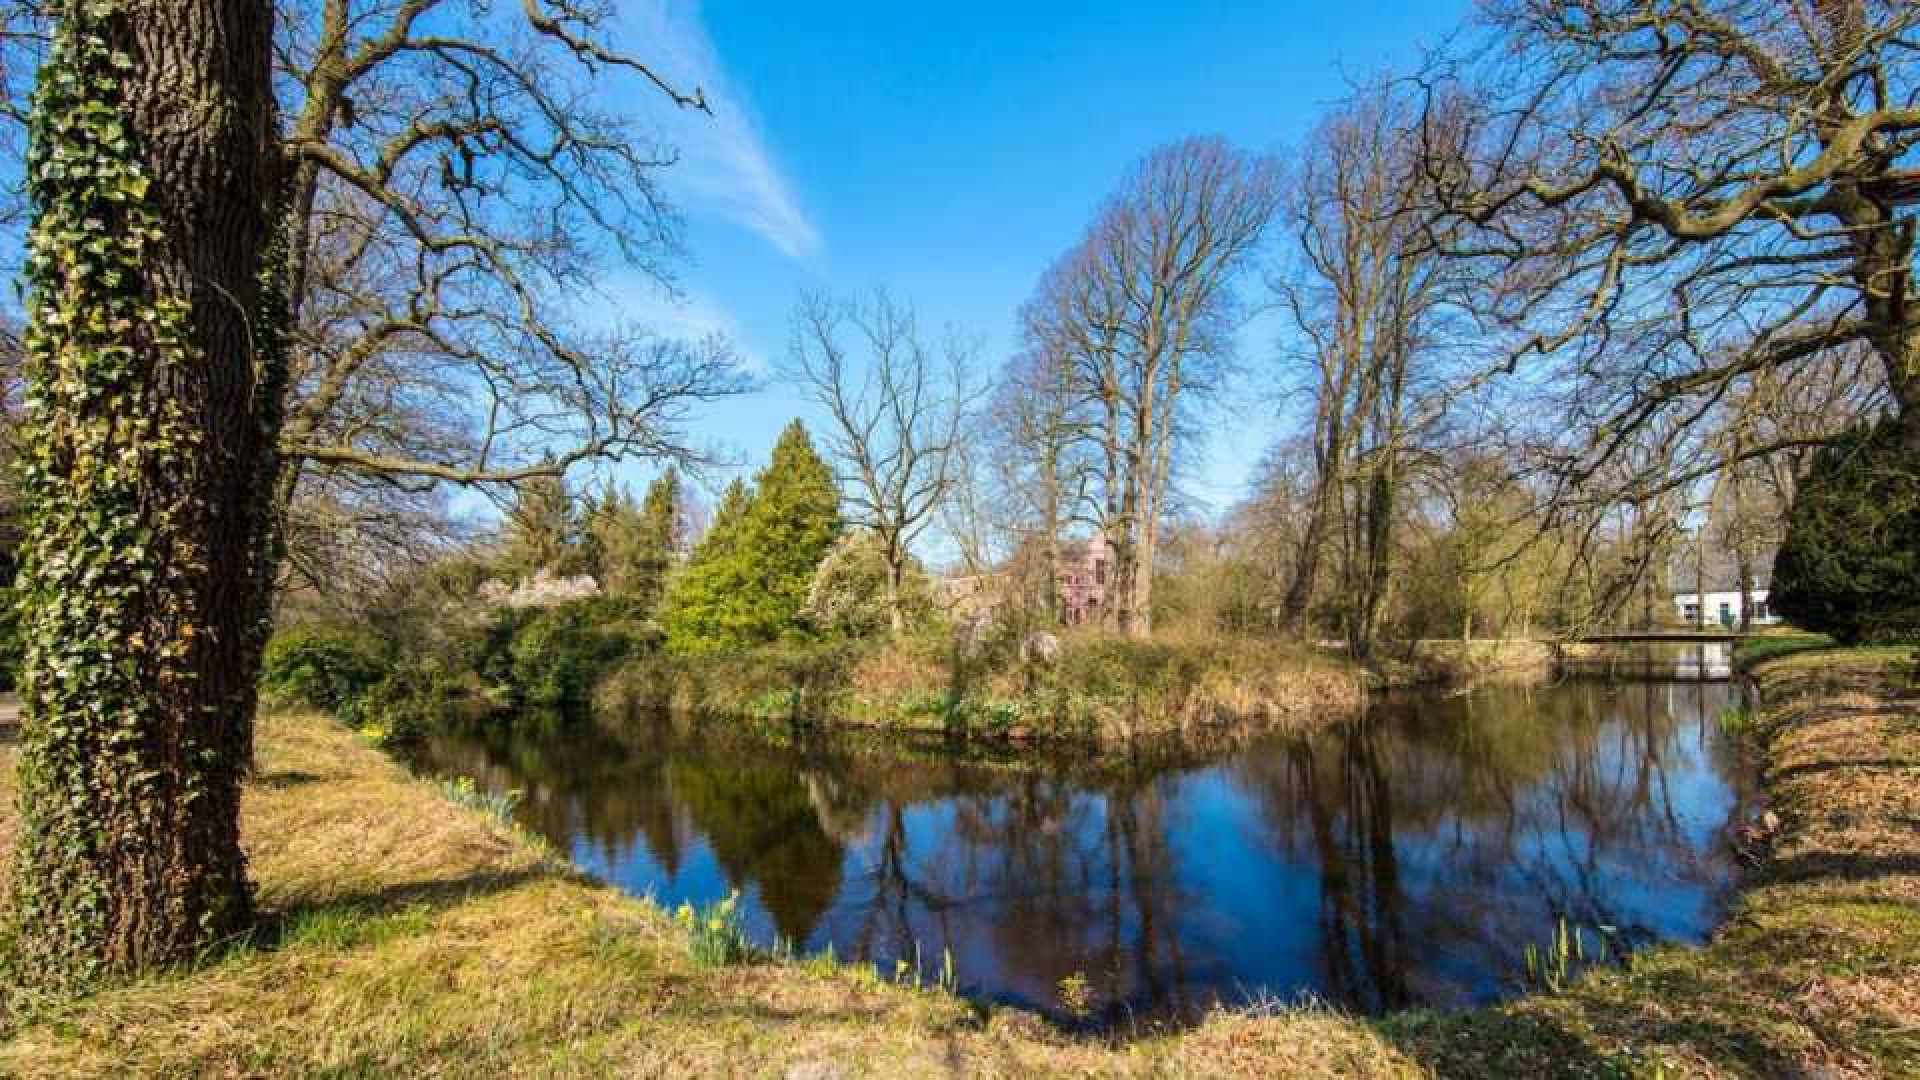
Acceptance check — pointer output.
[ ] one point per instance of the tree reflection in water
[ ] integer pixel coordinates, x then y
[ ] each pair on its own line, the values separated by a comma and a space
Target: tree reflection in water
1406, 857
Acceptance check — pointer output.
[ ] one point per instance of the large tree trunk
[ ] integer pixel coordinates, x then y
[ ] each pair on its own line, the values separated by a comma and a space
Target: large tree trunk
1746, 591
1158, 482
1699, 581
1381, 503
1050, 547
1329, 463
1113, 515
1378, 524
1125, 545
895, 588
1306, 567
155, 347
1901, 358
1882, 268
1140, 607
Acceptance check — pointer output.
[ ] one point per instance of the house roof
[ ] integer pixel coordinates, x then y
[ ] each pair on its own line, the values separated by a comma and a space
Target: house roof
1682, 591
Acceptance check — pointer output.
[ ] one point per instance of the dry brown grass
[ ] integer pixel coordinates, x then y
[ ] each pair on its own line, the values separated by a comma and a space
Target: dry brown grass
1099, 688
1117, 690
896, 674
1463, 663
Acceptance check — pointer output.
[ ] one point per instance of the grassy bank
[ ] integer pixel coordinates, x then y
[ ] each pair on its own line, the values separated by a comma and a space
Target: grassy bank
1453, 662
415, 936
1750, 653
1095, 688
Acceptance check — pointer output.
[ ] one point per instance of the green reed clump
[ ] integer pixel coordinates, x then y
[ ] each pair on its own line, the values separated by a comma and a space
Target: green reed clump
496, 805
1075, 996
1566, 956
716, 936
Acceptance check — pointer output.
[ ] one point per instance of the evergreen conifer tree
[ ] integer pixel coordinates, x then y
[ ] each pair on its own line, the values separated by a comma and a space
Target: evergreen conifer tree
633, 545
543, 528
1850, 563
610, 534
748, 578
697, 602
657, 541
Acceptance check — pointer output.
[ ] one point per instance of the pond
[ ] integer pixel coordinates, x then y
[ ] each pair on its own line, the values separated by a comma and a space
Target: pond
1407, 856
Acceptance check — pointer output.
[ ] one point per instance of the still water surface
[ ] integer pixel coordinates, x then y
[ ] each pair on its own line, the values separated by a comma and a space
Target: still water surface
1404, 857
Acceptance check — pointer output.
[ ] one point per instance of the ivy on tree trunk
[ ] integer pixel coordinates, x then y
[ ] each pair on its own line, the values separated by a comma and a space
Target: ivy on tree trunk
155, 370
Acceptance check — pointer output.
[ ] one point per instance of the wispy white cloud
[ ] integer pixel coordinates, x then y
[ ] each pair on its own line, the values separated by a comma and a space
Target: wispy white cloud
725, 167
682, 315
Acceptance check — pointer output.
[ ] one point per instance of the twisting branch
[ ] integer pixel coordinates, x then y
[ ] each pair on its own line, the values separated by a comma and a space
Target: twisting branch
462, 181
1670, 201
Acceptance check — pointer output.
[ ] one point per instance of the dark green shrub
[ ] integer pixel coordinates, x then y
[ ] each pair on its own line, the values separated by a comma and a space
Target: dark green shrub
487, 650
326, 667
411, 700
558, 654
1118, 669
1850, 564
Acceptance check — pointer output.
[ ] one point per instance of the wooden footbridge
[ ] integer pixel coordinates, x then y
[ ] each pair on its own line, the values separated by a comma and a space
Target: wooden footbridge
1693, 654
1658, 637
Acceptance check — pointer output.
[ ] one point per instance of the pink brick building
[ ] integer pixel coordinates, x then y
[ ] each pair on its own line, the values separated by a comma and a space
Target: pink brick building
1086, 567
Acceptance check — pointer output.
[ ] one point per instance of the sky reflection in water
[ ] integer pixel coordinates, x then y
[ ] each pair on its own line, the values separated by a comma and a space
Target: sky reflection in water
1404, 858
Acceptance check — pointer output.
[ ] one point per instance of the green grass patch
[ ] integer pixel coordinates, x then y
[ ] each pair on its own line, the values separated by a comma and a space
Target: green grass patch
1749, 652
1737, 719
347, 927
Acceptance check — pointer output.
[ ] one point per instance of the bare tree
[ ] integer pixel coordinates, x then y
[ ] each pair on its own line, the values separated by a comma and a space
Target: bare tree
1366, 295
1037, 429
899, 410
1141, 315
1272, 521
433, 179
1669, 200
461, 176
355, 536
974, 517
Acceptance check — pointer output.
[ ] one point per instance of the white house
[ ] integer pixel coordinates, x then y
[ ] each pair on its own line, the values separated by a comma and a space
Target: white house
1723, 607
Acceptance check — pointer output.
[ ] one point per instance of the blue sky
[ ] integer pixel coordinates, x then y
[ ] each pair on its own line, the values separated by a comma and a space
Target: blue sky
950, 152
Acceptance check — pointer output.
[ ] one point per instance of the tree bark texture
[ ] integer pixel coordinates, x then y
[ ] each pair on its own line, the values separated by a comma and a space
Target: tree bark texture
154, 360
